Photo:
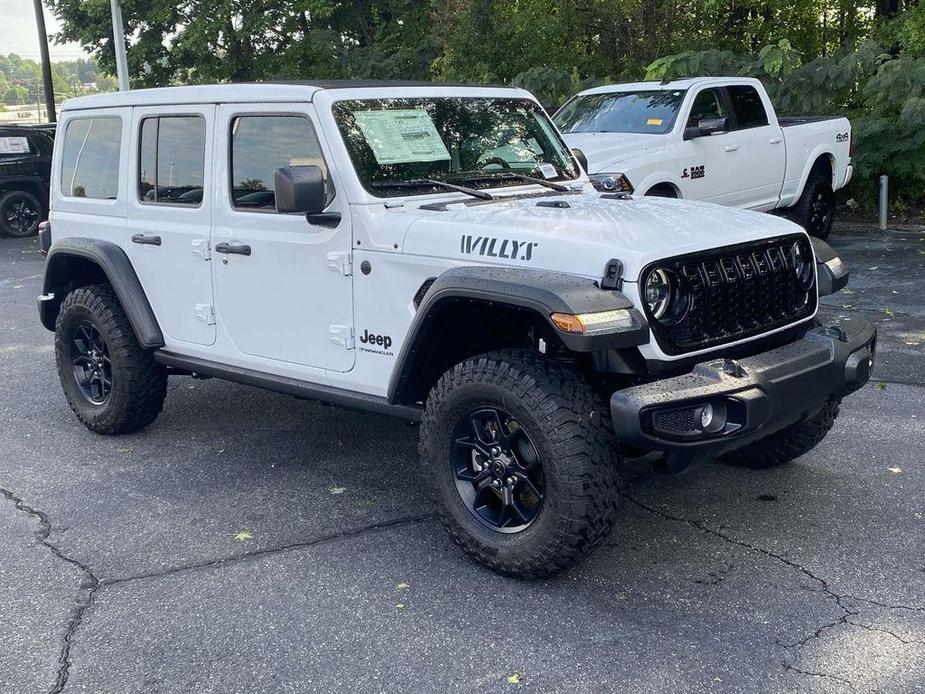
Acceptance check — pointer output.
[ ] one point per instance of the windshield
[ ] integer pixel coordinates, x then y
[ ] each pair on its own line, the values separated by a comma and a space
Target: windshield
652, 112
396, 145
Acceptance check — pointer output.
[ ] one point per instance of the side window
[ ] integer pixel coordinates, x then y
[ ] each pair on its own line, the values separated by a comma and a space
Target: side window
707, 104
90, 158
262, 144
172, 159
748, 108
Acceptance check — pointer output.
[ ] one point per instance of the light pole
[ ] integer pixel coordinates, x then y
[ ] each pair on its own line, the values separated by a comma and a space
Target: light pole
118, 42
46, 63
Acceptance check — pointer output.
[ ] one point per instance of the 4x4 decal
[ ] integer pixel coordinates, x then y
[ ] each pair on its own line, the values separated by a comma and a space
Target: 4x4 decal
493, 247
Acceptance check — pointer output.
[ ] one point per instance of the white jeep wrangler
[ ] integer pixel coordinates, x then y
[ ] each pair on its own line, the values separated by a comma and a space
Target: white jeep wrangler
437, 254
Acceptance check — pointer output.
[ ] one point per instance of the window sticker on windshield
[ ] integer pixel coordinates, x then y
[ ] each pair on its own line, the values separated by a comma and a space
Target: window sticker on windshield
548, 170
14, 145
401, 136
654, 121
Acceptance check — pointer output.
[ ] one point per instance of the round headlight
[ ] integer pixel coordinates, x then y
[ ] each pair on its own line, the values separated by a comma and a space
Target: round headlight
657, 293
802, 259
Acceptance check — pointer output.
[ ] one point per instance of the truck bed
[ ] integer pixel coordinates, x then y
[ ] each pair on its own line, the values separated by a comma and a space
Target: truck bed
787, 121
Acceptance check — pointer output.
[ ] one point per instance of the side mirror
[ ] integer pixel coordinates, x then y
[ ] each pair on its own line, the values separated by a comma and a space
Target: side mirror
705, 127
582, 159
300, 189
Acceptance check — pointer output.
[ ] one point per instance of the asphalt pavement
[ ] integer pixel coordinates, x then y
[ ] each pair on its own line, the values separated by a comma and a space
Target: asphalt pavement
250, 542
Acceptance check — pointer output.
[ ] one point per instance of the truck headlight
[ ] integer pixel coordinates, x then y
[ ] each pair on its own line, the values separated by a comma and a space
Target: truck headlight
611, 183
665, 296
802, 258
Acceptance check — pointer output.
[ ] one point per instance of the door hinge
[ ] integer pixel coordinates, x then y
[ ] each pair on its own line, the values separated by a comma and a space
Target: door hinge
205, 313
340, 262
342, 335
202, 249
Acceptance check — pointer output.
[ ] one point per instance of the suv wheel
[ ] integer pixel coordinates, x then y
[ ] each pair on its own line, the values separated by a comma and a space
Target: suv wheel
111, 383
522, 461
20, 214
815, 210
787, 444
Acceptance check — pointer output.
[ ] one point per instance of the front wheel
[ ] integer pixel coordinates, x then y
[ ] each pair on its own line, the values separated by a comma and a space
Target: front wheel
521, 458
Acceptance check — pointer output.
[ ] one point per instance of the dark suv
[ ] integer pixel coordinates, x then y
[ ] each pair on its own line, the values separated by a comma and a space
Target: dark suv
25, 165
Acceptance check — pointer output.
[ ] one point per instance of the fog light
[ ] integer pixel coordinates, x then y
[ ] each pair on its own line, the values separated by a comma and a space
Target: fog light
706, 416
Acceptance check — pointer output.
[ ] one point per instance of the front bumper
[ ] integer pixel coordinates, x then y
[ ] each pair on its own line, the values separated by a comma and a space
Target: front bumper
745, 399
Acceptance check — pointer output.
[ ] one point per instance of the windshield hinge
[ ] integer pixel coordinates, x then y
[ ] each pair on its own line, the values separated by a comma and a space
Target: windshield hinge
342, 335
341, 262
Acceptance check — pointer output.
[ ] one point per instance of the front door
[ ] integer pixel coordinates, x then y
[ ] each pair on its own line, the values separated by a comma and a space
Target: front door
709, 164
283, 292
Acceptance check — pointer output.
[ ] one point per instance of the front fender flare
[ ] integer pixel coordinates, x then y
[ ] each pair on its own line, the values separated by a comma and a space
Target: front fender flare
115, 265
541, 291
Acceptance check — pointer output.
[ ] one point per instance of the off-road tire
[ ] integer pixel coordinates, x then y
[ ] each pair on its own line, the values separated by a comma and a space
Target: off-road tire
9, 201
571, 430
787, 444
817, 191
139, 384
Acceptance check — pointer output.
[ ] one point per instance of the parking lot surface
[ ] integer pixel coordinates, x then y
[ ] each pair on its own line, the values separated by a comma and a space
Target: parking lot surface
251, 542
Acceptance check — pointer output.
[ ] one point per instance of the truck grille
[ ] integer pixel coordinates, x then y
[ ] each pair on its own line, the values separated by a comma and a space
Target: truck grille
734, 293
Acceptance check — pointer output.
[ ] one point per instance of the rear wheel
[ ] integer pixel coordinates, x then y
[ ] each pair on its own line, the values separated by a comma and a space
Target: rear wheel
815, 210
20, 214
111, 383
520, 456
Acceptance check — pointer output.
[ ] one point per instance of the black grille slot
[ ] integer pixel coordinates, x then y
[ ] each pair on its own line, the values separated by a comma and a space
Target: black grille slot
735, 293
675, 421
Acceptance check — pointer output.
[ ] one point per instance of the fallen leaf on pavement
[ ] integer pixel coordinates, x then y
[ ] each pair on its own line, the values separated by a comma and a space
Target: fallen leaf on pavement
895, 470
514, 679
880, 386
243, 535
334, 489
402, 586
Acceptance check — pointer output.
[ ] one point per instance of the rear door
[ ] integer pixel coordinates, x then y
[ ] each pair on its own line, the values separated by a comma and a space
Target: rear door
289, 299
762, 155
708, 164
169, 217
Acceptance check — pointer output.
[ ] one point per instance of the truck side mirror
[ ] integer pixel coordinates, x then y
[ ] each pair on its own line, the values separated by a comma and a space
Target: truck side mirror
300, 189
705, 127
582, 159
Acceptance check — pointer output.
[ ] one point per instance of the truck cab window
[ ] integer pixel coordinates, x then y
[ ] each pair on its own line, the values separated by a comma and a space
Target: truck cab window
749, 110
262, 144
172, 159
707, 104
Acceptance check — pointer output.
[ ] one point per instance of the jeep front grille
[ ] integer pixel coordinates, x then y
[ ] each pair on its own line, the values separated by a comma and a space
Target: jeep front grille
734, 293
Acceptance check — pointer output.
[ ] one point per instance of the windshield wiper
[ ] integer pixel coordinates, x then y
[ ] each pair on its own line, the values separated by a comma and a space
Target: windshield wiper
419, 182
512, 176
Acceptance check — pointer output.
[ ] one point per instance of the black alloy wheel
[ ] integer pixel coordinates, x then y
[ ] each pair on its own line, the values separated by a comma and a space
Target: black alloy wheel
91, 362
499, 473
819, 221
20, 214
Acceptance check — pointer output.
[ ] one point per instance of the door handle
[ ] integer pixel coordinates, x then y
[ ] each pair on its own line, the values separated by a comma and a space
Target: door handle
146, 240
775, 140
233, 248
730, 148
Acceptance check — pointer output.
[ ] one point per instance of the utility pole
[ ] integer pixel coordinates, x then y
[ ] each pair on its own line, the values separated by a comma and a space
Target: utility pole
118, 42
46, 63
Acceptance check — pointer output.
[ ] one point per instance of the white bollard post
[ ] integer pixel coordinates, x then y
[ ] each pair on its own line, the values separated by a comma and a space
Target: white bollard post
884, 186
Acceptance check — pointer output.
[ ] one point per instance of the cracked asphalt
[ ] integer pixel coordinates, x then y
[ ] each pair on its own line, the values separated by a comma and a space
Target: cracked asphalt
123, 568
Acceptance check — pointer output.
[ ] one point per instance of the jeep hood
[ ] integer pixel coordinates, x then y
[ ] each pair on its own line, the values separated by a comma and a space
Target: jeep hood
605, 151
579, 239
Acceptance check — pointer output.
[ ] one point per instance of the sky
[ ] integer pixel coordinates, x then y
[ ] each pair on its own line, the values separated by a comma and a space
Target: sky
19, 35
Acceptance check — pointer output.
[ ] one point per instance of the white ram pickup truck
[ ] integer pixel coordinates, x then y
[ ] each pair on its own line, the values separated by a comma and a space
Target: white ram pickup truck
711, 138
434, 253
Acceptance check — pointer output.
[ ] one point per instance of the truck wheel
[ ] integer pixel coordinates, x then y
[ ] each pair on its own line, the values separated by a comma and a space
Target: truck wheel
815, 209
788, 443
20, 214
521, 458
111, 383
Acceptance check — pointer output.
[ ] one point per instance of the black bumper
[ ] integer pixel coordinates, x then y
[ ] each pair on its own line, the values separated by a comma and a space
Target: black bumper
748, 398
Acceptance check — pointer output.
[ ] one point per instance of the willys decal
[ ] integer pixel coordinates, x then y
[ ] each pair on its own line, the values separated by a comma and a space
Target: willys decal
493, 247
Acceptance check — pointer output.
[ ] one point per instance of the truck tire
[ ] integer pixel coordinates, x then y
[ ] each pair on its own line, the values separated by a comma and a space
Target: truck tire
788, 443
815, 209
520, 456
111, 383
20, 214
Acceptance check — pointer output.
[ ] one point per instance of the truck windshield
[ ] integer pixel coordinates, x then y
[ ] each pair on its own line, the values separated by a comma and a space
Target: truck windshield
652, 112
402, 146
